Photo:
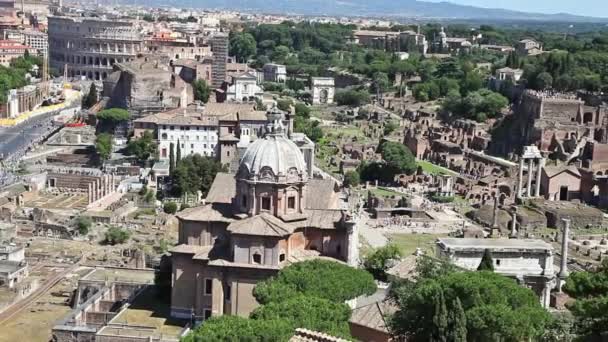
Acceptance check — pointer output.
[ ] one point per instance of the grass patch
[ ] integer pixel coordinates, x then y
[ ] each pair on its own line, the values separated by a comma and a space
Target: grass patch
408, 243
433, 169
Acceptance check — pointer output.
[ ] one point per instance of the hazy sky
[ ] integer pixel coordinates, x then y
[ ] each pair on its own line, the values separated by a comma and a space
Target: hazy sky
595, 8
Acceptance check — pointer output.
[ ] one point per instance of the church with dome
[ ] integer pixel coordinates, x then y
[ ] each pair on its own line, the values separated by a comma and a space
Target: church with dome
271, 213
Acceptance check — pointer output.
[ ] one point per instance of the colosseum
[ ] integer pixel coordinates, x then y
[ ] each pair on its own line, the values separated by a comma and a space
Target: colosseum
91, 46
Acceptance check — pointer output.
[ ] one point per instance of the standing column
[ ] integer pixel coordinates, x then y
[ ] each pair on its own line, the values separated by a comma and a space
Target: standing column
514, 224
563, 270
539, 171
530, 169
520, 178
90, 193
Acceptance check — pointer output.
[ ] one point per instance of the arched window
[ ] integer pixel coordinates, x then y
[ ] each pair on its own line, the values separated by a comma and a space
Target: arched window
282, 257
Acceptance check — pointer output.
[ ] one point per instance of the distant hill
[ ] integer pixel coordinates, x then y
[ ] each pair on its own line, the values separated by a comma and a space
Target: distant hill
394, 8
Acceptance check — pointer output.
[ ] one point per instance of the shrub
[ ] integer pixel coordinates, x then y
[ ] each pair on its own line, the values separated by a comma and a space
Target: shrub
170, 208
116, 235
84, 224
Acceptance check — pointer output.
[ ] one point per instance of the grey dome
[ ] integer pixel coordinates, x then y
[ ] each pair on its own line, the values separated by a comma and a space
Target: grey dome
273, 158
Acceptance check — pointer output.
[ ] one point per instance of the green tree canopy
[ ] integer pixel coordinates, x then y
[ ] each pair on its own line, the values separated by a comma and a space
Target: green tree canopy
242, 45
194, 173
115, 235
235, 328
494, 306
319, 278
308, 312
352, 98
170, 207
351, 178
590, 289
201, 90
398, 156
113, 115
103, 145
91, 98
143, 148
83, 223
379, 260
487, 263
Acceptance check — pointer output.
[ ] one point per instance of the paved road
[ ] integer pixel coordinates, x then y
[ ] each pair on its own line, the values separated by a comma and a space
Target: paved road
17, 138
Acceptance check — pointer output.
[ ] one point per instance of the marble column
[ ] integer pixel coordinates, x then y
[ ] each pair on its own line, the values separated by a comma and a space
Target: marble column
530, 170
514, 224
90, 193
539, 171
520, 178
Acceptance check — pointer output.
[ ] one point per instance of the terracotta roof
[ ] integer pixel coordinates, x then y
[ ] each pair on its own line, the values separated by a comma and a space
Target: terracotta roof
261, 225
305, 335
405, 268
324, 192
374, 315
553, 171
223, 189
198, 251
320, 218
255, 115
214, 108
218, 212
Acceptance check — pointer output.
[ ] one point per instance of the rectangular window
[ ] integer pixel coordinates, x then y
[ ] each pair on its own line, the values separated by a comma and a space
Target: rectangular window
266, 203
191, 145
291, 202
206, 314
208, 286
172, 127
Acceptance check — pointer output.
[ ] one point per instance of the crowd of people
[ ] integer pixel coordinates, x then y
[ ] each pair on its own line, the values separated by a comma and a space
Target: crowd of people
36, 133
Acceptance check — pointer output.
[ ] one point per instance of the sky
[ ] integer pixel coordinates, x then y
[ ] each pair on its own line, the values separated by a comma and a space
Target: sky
595, 8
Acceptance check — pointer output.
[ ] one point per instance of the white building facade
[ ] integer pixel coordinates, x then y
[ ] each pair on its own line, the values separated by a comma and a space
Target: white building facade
275, 73
192, 134
528, 261
244, 88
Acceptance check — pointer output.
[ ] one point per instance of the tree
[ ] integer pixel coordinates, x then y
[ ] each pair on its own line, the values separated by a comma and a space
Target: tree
352, 98
143, 148
194, 173
284, 104
318, 278
201, 90
543, 81
113, 115
495, 307
351, 179
170, 208
280, 53
171, 159
91, 98
236, 328
302, 110
486, 264
398, 156
390, 127
178, 153
590, 309
83, 223
115, 235
380, 82
457, 322
308, 312
103, 145
440, 318
243, 46
380, 260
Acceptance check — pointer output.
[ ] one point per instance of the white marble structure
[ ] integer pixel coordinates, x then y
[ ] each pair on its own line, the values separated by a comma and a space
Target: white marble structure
533, 160
244, 88
323, 90
529, 261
